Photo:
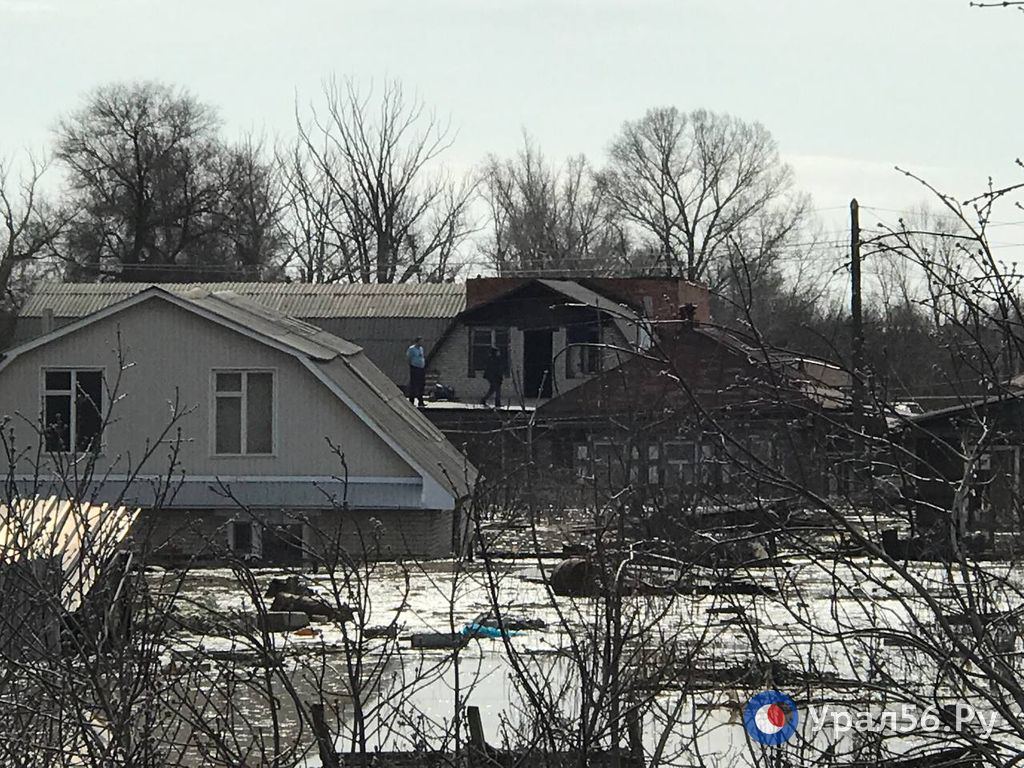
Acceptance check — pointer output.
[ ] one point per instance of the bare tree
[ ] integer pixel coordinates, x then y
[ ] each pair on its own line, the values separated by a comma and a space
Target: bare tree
691, 182
368, 200
549, 220
30, 227
316, 248
252, 209
161, 196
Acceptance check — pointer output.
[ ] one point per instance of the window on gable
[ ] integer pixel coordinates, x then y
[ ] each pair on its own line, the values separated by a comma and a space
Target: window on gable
243, 413
72, 410
480, 342
582, 355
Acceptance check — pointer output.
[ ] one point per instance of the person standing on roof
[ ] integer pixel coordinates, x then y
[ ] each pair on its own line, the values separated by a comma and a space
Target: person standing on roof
417, 370
494, 373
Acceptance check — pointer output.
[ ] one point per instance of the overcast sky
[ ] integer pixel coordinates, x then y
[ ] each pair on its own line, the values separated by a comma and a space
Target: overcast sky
849, 89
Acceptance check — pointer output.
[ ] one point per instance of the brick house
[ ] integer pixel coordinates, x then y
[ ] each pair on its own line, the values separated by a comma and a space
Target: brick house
705, 412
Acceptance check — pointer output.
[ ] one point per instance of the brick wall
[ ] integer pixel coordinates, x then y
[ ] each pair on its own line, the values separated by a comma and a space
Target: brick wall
178, 536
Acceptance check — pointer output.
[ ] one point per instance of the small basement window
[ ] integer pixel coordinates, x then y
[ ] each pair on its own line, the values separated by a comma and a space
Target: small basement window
72, 410
243, 413
243, 539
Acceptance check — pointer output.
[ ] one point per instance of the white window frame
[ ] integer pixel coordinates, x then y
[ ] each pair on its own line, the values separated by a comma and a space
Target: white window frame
74, 370
274, 400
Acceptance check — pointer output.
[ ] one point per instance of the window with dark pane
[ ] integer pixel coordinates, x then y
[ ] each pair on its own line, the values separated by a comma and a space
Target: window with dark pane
243, 538
229, 424
72, 410
480, 342
88, 410
583, 355
58, 381
57, 422
229, 382
259, 413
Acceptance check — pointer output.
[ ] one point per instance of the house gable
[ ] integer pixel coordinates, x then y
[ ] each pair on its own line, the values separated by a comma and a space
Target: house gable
534, 315
162, 366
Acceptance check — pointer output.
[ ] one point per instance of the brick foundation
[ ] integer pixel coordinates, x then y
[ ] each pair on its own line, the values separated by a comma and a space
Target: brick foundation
183, 536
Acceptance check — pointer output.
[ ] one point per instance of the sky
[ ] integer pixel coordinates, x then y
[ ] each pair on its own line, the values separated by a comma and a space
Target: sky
848, 89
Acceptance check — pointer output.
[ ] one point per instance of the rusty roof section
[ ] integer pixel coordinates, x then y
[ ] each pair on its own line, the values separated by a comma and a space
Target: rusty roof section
304, 300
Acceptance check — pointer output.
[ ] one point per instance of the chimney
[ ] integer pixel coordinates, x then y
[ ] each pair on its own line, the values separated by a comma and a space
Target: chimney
47, 321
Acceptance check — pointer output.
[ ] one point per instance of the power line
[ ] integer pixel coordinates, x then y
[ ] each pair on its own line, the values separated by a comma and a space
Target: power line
905, 212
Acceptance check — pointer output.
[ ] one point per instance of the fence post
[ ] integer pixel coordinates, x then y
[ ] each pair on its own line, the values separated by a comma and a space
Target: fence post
477, 745
328, 755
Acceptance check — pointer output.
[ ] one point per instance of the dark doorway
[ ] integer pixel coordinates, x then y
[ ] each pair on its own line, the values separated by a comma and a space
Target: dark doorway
282, 544
537, 363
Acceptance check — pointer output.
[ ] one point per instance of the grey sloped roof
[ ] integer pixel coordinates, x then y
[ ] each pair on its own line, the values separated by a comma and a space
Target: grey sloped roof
305, 300
386, 405
304, 337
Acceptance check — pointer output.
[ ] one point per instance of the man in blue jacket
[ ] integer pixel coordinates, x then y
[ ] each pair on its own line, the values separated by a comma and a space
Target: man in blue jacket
417, 370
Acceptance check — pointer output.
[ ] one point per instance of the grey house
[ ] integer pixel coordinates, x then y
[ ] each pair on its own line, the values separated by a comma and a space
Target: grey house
233, 426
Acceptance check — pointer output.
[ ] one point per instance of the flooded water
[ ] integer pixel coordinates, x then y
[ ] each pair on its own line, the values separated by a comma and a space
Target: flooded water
690, 713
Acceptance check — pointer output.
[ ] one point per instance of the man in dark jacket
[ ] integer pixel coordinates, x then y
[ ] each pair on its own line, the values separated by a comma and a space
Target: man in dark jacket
494, 373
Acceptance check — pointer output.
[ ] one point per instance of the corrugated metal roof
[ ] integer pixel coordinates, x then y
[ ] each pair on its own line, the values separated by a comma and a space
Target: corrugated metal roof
304, 337
305, 300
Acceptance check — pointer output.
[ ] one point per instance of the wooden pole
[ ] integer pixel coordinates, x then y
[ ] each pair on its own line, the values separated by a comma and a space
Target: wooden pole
857, 331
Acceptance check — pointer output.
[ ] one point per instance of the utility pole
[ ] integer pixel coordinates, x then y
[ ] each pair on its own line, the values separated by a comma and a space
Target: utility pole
857, 330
